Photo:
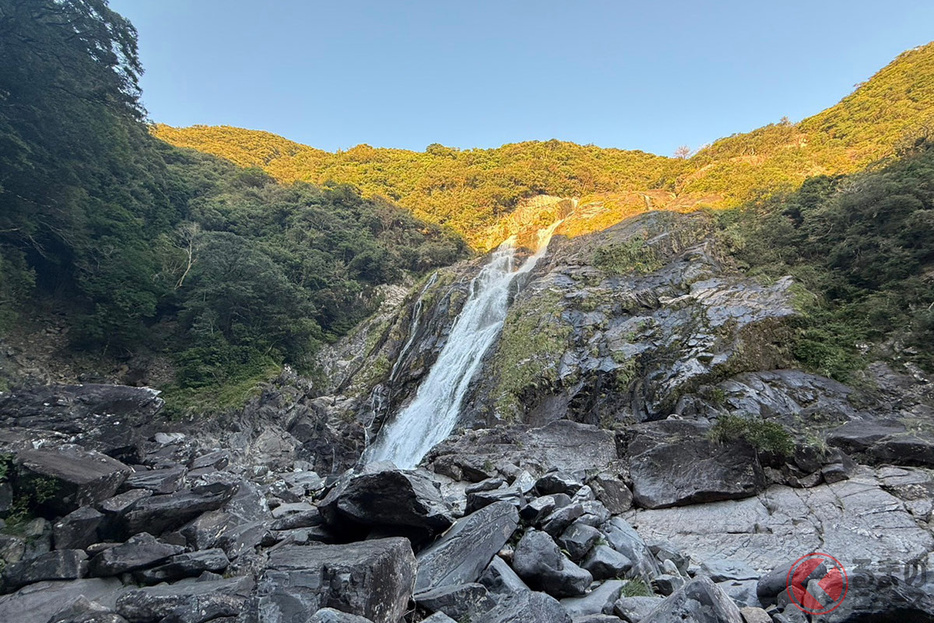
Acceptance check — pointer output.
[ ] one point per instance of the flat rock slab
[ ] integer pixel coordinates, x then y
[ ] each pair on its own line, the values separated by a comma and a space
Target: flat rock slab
188, 600
81, 477
461, 555
851, 520
39, 602
372, 579
698, 601
159, 513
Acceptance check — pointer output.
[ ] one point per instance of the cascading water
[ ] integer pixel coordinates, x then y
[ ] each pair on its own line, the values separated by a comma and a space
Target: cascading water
434, 412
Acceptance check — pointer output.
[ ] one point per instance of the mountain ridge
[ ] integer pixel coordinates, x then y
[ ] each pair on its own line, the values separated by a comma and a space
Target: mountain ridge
471, 190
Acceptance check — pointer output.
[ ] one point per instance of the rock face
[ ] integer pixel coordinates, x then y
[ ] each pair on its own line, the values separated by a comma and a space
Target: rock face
388, 497
672, 464
372, 579
461, 555
76, 477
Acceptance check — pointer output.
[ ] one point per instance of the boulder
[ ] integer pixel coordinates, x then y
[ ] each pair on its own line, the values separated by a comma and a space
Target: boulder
540, 563
39, 602
604, 562
77, 529
624, 539
579, 539
383, 497
719, 570
461, 555
77, 477
62, 564
166, 480
557, 482
698, 601
330, 615
598, 601
634, 609
880, 596
159, 513
185, 565
527, 607
681, 466
85, 611
140, 551
372, 579
460, 602
499, 578
558, 521
542, 506
188, 601
612, 491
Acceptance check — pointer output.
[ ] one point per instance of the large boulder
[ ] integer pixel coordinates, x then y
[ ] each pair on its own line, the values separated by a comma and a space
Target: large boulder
39, 602
188, 601
673, 464
159, 513
185, 565
74, 477
698, 601
461, 555
63, 564
539, 562
372, 579
527, 607
623, 538
78, 529
387, 497
141, 551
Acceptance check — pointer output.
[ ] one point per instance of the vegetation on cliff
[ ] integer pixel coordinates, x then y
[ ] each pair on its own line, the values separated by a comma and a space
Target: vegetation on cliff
147, 246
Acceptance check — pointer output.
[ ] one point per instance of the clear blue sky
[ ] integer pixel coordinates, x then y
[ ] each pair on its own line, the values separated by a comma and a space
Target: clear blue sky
616, 73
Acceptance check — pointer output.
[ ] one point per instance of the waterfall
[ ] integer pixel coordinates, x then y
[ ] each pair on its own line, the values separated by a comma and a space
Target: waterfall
433, 413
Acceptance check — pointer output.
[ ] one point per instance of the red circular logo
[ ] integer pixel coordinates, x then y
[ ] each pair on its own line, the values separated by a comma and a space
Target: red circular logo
826, 578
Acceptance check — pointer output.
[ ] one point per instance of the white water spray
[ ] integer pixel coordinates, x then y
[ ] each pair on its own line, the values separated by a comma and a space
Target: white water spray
434, 412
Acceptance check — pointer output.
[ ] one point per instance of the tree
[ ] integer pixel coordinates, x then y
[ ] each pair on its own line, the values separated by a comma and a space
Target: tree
683, 152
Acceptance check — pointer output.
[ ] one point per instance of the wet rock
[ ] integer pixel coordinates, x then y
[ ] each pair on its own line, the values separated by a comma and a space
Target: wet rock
460, 555
204, 531
188, 601
527, 607
499, 578
65, 564
598, 601
79, 477
39, 602
460, 602
879, 597
683, 467
165, 480
604, 562
698, 601
218, 459
540, 563
78, 529
239, 539
140, 551
185, 565
166, 512
578, 539
479, 499
388, 497
373, 579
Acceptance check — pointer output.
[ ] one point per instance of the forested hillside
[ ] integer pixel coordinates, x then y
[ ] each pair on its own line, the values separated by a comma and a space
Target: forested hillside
144, 246
471, 190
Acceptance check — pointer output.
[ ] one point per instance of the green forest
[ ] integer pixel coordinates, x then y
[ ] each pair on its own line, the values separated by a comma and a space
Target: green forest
148, 246
234, 253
